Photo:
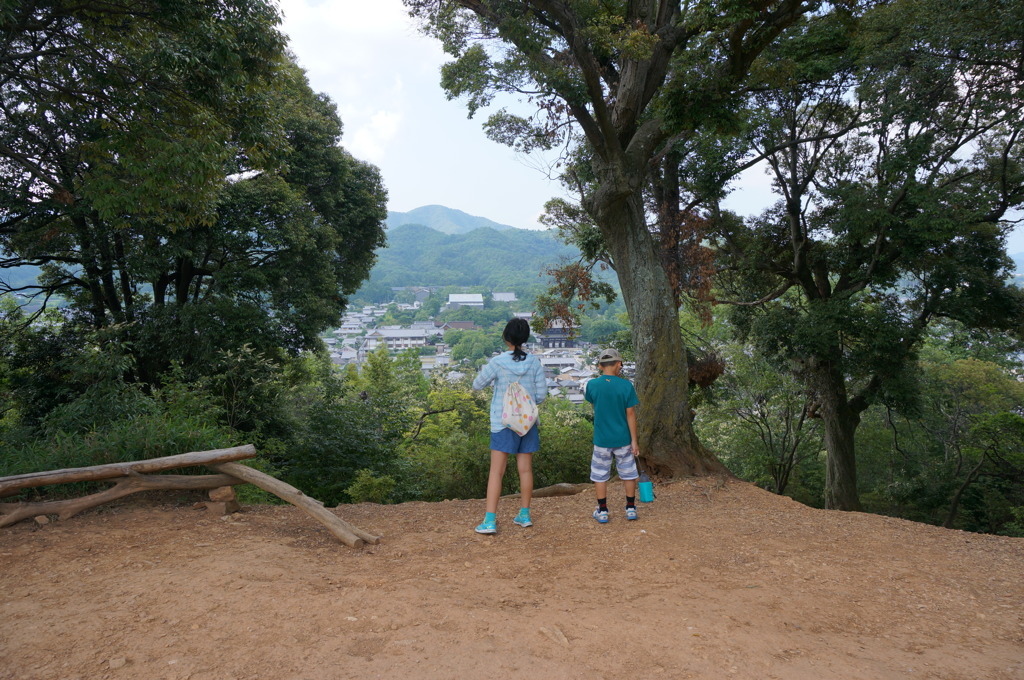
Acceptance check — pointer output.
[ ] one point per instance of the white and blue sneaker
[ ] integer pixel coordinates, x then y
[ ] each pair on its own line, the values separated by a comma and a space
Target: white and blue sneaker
630, 513
601, 516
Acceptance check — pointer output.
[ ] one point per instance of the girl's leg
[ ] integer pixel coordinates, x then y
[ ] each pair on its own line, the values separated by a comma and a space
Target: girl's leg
524, 462
498, 461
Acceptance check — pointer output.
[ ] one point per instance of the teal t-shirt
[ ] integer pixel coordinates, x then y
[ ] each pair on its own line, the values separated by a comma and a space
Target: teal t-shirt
611, 395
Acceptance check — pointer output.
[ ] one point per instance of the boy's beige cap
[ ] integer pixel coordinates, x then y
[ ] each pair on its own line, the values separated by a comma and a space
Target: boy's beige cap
609, 355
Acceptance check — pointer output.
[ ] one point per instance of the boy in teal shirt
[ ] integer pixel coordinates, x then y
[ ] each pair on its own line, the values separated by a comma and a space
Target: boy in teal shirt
614, 400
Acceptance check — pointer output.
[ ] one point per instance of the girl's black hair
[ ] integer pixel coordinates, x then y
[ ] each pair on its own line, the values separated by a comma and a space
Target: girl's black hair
517, 331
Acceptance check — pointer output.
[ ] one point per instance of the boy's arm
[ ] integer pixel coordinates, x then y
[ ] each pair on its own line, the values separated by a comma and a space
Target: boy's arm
631, 421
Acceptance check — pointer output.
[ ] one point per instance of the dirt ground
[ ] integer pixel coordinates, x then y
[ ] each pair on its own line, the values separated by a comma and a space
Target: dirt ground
715, 580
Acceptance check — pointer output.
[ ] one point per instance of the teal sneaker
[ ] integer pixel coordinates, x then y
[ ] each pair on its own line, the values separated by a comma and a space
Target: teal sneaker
523, 519
487, 527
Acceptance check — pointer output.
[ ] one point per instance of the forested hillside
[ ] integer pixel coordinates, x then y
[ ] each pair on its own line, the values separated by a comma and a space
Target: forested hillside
443, 219
510, 260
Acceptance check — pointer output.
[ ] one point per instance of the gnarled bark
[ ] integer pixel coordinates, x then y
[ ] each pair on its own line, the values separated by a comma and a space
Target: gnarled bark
841, 420
668, 445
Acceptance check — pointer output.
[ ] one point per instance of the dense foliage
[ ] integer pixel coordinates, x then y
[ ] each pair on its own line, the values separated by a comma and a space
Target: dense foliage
510, 260
897, 162
203, 250
166, 170
182, 210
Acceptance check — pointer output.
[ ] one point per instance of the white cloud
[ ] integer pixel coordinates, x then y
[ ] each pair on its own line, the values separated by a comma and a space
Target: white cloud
384, 77
371, 140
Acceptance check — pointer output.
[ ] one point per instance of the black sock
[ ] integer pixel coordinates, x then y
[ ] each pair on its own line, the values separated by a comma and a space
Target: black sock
630, 501
602, 504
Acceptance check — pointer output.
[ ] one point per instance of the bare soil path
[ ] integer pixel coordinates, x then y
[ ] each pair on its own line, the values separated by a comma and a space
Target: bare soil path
715, 580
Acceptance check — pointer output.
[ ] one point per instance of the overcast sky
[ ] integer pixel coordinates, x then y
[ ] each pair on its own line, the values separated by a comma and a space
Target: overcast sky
384, 76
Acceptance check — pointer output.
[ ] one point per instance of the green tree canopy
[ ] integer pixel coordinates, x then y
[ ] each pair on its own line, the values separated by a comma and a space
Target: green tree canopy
179, 184
622, 82
895, 169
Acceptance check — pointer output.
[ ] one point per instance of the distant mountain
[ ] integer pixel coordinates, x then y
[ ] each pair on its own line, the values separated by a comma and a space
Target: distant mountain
16, 277
509, 260
442, 219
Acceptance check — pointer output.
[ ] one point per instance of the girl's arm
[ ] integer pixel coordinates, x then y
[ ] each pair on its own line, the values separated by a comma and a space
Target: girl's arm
485, 377
540, 385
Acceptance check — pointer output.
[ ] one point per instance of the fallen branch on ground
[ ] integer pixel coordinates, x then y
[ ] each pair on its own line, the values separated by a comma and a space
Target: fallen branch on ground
563, 489
350, 535
65, 509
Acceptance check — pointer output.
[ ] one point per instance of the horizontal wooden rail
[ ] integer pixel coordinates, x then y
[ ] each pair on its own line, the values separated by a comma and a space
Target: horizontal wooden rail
14, 483
10, 513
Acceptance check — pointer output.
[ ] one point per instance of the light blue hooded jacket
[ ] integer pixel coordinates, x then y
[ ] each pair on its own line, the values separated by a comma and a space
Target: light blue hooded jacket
502, 370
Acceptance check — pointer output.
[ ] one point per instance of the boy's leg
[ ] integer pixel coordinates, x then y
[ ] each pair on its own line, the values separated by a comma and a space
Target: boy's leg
498, 461
601, 470
630, 486
600, 473
625, 464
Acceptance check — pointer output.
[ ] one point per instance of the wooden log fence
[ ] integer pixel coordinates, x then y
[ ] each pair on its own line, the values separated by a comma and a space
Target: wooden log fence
65, 509
131, 477
96, 473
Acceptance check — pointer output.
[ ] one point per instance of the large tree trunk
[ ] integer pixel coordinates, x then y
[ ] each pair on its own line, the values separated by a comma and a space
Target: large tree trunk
841, 421
668, 445
954, 505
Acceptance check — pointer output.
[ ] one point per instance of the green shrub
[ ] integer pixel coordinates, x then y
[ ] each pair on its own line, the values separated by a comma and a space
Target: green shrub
167, 422
369, 488
566, 444
457, 463
456, 466
335, 441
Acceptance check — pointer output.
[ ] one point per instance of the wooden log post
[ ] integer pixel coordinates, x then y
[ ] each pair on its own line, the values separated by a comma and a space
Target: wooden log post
15, 512
9, 485
350, 535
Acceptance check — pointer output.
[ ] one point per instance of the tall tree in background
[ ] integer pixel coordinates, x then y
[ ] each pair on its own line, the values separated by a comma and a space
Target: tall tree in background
130, 107
896, 173
176, 178
628, 78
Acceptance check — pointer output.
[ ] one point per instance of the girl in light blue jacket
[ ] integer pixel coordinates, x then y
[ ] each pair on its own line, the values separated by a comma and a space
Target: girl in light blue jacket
516, 365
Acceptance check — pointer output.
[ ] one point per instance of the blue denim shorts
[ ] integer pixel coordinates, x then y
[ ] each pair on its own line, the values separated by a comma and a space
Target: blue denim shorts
508, 441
